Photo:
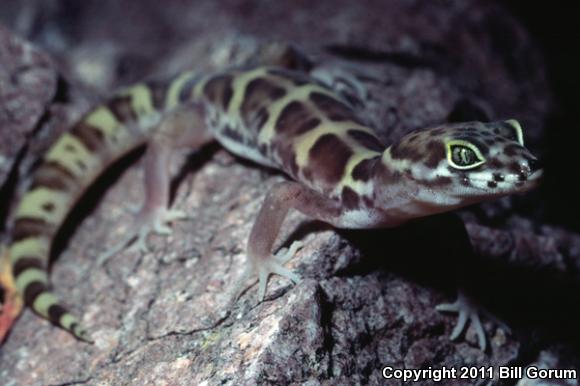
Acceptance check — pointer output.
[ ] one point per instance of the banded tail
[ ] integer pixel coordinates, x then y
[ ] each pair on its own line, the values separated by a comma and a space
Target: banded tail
70, 165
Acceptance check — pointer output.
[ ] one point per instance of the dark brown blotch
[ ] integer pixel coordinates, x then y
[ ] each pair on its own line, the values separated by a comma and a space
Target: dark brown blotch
436, 152
364, 170
24, 263
368, 201
121, 108
332, 108
511, 150
233, 134
295, 119
413, 138
158, 91
32, 291
350, 198
328, 158
514, 167
91, 137
287, 157
219, 90
366, 140
259, 94
54, 176
260, 119
264, 149
25, 227
494, 163
55, 312
400, 151
491, 184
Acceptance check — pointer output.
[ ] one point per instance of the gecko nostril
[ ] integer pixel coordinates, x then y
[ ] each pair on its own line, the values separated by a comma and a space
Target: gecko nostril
534, 164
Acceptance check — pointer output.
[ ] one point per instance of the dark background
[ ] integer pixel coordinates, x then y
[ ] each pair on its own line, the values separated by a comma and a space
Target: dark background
556, 30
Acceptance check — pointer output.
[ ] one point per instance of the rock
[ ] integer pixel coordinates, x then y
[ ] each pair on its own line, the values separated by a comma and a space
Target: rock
27, 85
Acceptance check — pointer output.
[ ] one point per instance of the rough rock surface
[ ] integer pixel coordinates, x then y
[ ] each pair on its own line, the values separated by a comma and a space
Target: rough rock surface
27, 85
368, 298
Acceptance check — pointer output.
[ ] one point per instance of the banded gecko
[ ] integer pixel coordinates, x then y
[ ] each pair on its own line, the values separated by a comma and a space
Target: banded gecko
279, 114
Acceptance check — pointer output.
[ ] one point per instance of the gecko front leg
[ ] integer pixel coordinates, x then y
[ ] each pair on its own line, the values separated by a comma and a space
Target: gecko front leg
280, 199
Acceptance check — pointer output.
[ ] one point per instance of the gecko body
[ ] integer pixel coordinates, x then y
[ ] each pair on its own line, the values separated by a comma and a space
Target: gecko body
340, 171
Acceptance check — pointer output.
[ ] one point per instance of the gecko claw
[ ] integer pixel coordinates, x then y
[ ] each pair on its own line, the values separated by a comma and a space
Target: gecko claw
285, 254
466, 310
264, 268
274, 265
269, 267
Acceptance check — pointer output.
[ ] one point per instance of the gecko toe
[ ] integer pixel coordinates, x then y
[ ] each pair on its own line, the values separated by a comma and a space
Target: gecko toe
175, 214
286, 254
162, 229
262, 283
467, 311
285, 272
147, 222
268, 268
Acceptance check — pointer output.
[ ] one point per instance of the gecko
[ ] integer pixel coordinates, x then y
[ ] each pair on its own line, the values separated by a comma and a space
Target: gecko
280, 113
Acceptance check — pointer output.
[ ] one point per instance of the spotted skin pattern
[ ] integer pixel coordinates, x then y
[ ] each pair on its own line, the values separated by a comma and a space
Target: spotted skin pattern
342, 172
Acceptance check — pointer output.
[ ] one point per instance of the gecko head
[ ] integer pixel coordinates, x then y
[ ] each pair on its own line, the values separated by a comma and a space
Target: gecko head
459, 164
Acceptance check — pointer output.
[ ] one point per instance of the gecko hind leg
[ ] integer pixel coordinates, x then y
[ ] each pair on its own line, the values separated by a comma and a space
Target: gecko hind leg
281, 54
343, 82
175, 132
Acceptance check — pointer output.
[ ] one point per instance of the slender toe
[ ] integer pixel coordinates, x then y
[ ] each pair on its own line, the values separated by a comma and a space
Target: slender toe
481, 335
459, 326
447, 307
262, 281
288, 274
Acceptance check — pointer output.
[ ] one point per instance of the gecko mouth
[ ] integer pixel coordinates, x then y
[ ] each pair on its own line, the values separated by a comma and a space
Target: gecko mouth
532, 181
507, 184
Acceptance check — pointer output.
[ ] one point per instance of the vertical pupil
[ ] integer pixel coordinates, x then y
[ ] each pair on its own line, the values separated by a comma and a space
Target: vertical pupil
465, 156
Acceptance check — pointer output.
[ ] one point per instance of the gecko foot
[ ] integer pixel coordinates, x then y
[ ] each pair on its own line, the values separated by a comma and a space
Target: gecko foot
343, 82
263, 268
274, 265
147, 222
466, 310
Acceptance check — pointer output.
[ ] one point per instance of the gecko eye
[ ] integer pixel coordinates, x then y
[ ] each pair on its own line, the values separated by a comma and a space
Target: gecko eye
463, 155
518, 134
